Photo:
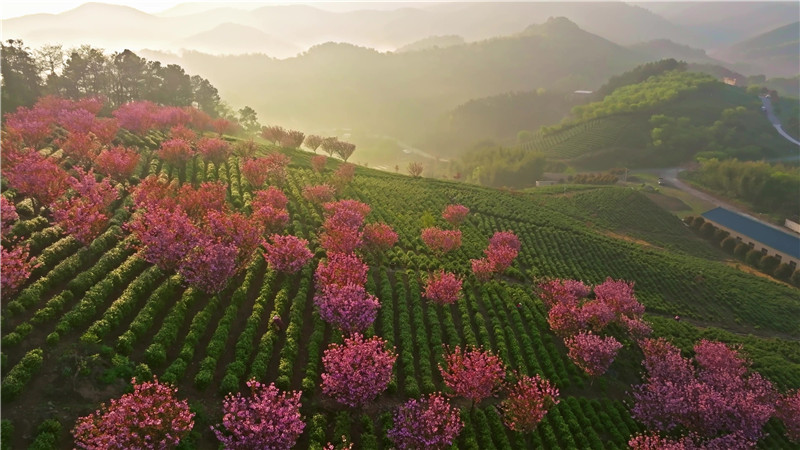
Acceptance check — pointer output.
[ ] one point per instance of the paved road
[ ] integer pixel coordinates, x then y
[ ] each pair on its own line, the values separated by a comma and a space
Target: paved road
775, 122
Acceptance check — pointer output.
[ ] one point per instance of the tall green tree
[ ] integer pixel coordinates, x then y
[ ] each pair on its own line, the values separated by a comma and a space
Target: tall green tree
21, 84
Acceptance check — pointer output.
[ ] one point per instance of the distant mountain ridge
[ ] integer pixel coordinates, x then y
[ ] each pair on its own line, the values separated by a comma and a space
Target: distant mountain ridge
778, 50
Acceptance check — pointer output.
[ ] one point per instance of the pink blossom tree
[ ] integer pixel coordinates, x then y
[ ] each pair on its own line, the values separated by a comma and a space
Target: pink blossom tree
237, 230
8, 215
268, 418
443, 288
358, 370
15, 268
788, 411
455, 214
482, 268
164, 236
527, 403
717, 404
287, 253
502, 250
318, 163
35, 176
472, 373
592, 353
349, 308
343, 175
430, 423
137, 117
214, 150
319, 194
81, 148
84, 214
119, 163
149, 417
181, 132
197, 202
209, 264
441, 241
176, 152
339, 270
269, 209
379, 237
254, 171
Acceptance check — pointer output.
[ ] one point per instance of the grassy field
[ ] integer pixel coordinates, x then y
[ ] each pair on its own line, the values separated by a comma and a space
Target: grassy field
97, 315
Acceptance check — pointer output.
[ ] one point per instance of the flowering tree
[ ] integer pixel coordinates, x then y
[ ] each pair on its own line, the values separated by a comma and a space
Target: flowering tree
527, 403
8, 215
287, 253
176, 152
237, 230
443, 288
455, 214
441, 241
181, 132
255, 172
318, 163
268, 418
35, 176
788, 410
319, 194
717, 404
153, 192
83, 215
269, 209
209, 264
342, 227
344, 150
197, 202
592, 353
214, 150
273, 133
472, 373
430, 423
165, 235
349, 308
117, 163
482, 268
137, 117
149, 417
80, 147
340, 270
313, 142
343, 175
379, 237
556, 291
223, 126
502, 250
245, 149
358, 370
292, 139
16, 266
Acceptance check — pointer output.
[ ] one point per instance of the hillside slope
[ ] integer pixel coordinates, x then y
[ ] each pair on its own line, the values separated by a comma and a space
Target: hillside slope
120, 316
775, 53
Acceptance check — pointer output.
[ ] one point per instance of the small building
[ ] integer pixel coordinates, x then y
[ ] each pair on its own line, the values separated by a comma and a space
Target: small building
769, 240
545, 183
729, 80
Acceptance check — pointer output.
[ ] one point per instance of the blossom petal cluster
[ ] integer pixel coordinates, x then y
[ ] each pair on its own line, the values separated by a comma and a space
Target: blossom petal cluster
287, 253
430, 422
472, 373
455, 214
527, 402
441, 241
592, 353
268, 418
379, 237
443, 288
358, 370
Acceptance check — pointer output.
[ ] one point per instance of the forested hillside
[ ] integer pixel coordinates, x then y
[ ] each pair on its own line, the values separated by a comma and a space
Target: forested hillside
176, 251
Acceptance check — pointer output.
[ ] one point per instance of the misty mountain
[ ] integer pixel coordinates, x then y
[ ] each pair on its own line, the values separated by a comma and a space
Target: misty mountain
664, 49
775, 53
116, 27
336, 85
719, 24
245, 39
432, 42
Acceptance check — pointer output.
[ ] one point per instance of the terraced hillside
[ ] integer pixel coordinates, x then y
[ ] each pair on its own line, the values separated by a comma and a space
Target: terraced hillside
90, 317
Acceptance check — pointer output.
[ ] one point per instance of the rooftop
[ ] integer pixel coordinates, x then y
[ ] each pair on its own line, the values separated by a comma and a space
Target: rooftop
771, 237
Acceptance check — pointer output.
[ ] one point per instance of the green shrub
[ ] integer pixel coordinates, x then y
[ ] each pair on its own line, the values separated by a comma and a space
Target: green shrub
729, 244
769, 263
740, 251
783, 272
753, 257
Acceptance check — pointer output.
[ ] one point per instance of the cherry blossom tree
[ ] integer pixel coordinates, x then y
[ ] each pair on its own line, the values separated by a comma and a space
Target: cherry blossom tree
268, 418
472, 373
592, 353
197, 202
318, 163
527, 403
35, 176
287, 253
292, 139
443, 288
209, 264
339, 270
319, 194
358, 370
223, 126
254, 171
235, 229
214, 150
455, 214
344, 150
149, 417
81, 148
273, 133
441, 241
482, 268
8, 215
181, 132
788, 411
269, 209
84, 214
313, 142
119, 163
349, 308
245, 149
430, 423
343, 175
379, 237
137, 117
15, 268
164, 236
176, 152
718, 403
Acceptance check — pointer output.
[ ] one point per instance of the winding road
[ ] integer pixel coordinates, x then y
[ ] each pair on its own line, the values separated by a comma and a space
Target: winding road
774, 120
